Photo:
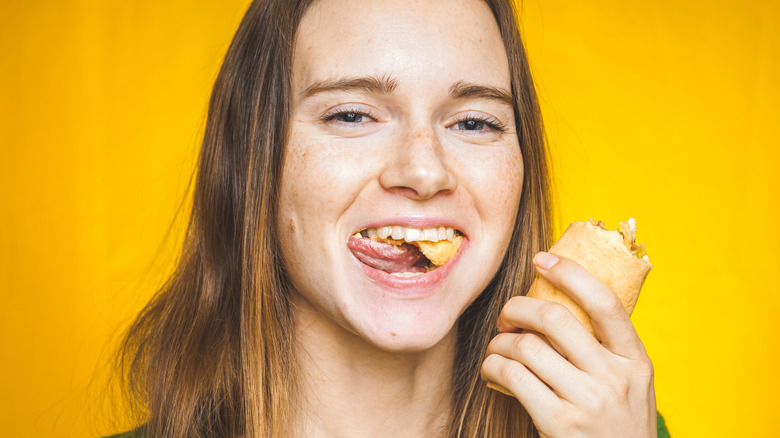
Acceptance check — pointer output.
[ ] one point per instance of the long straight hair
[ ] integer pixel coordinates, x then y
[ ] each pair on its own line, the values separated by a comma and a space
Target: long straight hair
211, 355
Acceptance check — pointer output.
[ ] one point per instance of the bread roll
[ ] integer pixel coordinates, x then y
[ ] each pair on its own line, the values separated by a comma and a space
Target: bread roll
611, 256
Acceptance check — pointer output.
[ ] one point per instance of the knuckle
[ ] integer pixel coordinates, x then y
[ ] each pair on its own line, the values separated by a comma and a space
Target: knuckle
512, 372
554, 315
611, 307
562, 414
620, 387
595, 403
579, 420
593, 396
618, 384
526, 346
566, 422
644, 368
646, 365
511, 306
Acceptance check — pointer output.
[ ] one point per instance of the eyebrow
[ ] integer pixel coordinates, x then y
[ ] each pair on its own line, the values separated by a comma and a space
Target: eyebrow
371, 84
469, 90
387, 84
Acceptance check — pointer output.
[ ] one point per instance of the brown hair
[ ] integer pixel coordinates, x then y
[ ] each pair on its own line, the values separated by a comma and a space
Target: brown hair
211, 354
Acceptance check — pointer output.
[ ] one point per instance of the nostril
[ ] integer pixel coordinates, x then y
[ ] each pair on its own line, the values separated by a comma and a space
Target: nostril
407, 192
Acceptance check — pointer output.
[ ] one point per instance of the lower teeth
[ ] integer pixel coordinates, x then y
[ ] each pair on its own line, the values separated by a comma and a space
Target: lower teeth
406, 274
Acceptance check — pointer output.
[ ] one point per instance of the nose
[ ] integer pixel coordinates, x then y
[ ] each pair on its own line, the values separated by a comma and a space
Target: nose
417, 168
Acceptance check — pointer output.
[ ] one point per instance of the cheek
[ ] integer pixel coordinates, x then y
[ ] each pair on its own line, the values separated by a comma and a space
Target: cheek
510, 182
497, 180
319, 182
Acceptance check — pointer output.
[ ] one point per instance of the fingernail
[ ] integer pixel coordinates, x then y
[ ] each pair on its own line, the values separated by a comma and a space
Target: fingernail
545, 260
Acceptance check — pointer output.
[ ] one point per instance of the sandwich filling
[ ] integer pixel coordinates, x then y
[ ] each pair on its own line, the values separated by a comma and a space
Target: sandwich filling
403, 251
628, 231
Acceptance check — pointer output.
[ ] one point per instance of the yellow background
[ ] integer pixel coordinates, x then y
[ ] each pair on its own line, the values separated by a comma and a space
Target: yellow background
662, 110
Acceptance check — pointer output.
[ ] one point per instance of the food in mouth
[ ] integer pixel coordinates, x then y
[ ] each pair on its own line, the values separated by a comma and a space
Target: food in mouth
404, 251
612, 256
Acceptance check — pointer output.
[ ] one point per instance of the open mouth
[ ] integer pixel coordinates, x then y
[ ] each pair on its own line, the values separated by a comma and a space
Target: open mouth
405, 251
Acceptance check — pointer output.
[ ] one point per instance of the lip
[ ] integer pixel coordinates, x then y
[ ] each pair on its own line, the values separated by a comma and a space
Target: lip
413, 287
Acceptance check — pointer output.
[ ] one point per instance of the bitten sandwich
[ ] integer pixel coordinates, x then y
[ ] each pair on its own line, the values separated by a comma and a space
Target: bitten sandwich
612, 256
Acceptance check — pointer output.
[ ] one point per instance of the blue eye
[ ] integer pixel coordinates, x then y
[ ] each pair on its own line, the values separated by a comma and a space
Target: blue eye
349, 117
471, 125
478, 125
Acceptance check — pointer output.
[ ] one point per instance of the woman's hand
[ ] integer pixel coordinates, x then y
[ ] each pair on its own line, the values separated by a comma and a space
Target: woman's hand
571, 384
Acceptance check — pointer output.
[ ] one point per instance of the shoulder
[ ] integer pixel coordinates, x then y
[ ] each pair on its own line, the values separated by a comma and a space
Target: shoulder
135, 433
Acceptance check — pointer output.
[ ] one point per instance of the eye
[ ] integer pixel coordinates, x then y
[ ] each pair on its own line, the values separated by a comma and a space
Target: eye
350, 117
471, 125
478, 124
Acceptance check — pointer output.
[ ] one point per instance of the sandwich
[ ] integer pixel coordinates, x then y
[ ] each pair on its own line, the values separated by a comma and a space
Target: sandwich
612, 256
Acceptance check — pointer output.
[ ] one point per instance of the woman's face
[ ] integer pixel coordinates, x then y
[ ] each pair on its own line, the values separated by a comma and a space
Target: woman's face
402, 118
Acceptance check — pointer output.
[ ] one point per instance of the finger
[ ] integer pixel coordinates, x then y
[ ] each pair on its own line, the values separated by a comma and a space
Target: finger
514, 377
531, 350
559, 327
611, 322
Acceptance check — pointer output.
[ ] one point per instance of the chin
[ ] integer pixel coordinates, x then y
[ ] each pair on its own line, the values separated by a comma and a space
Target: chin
407, 332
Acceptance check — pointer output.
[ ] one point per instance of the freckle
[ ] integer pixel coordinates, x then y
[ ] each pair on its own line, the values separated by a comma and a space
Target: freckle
392, 334
292, 225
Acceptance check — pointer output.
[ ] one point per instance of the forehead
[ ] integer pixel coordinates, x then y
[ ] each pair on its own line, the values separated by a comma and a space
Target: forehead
419, 43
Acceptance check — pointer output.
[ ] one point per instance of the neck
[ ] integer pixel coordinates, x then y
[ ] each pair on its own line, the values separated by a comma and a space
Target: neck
351, 388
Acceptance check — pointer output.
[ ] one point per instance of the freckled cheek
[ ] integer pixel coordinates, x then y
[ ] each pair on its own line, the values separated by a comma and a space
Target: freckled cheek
320, 179
510, 183
500, 180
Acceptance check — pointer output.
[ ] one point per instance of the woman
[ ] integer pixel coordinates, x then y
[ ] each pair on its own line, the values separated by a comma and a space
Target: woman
331, 121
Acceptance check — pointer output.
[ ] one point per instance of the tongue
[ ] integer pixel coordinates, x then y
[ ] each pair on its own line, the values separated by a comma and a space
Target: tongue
386, 257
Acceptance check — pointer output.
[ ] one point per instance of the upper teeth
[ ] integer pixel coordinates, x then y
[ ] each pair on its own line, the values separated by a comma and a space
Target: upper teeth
412, 234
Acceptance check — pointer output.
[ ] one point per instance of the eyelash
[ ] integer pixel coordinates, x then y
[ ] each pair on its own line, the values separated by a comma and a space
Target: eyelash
490, 122
332, 115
